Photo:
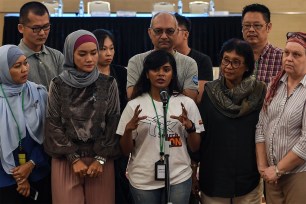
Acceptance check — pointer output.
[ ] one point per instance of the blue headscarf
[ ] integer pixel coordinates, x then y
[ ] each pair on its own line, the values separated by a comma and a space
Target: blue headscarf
30, 119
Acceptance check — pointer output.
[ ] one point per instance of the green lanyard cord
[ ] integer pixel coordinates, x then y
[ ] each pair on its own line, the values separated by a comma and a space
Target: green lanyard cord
162, 138
22, 97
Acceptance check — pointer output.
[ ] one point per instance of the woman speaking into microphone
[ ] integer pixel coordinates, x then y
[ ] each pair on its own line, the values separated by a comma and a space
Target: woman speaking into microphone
141, 127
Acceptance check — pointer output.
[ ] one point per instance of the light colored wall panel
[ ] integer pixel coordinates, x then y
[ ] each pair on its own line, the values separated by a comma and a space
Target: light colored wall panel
273, 5
281, 24
146, 5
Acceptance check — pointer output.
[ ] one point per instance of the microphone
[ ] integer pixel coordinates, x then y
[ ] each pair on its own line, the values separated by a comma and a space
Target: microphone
164, 95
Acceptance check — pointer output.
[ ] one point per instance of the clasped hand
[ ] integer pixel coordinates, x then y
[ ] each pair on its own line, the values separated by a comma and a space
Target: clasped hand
21, 174
269, 175
93, 170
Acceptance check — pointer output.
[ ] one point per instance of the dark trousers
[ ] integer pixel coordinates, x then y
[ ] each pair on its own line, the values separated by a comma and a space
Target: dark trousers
122, 190
9, 194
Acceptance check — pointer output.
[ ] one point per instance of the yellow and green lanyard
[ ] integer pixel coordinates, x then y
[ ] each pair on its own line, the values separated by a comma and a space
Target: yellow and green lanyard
21, 155
161, 136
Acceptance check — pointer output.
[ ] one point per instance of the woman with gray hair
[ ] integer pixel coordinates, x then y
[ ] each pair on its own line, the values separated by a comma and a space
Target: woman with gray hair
82, 116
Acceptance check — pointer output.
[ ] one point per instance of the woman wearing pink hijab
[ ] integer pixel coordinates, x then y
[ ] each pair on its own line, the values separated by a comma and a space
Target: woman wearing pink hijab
82, 117
281, 130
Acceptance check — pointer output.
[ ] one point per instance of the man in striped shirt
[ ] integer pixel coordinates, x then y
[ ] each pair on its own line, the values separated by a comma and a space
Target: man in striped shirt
256, 26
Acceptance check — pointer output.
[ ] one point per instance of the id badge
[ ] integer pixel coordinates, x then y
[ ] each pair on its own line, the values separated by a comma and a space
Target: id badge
22, 157
160, 170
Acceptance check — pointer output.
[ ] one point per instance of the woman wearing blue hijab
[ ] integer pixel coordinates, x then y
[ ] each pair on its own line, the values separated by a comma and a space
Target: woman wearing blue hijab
24, 165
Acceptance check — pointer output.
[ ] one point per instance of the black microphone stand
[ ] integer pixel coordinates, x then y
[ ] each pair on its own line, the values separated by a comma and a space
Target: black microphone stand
167, 150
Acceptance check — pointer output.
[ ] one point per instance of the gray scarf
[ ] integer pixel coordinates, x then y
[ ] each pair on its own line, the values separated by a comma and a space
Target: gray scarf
71, 75
243, 99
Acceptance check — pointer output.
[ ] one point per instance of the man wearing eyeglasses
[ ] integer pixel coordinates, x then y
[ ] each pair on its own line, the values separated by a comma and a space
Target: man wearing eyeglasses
163, 33
34, 25
256, 26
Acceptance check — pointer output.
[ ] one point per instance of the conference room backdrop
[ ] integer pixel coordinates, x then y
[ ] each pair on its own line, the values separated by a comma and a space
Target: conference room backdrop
207, 34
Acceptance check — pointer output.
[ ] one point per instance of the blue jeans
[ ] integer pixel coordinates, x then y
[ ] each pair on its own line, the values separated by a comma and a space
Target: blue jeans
179, 194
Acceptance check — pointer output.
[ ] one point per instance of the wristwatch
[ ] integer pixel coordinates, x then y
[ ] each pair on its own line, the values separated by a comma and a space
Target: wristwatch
278, 172
100, 159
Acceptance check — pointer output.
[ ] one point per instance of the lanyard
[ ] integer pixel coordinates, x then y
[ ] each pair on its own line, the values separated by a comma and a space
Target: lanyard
22, 99
161, 136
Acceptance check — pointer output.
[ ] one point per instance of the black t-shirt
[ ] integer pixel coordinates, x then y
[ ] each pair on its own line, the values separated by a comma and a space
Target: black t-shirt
120, 74
205, 68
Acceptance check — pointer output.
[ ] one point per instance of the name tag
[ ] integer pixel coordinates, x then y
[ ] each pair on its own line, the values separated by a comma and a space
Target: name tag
160, 170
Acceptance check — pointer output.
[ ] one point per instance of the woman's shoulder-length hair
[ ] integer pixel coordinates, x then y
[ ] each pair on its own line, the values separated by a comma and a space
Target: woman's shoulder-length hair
154, 61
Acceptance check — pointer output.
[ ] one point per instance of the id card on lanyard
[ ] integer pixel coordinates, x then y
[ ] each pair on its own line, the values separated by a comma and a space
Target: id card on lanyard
160, 166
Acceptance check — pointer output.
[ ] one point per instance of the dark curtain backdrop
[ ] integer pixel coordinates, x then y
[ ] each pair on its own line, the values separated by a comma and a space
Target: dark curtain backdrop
207, 35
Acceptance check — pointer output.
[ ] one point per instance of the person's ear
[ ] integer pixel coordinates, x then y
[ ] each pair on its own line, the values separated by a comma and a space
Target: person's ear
186, 35
150, 33
269, 27
20, 28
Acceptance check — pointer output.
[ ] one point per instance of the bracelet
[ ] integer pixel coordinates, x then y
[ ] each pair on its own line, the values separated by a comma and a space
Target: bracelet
72, 157
100, 159
32, 162
75, 161
192, 129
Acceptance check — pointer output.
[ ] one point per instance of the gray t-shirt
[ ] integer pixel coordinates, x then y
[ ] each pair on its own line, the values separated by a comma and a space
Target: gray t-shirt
187, 70
45, 65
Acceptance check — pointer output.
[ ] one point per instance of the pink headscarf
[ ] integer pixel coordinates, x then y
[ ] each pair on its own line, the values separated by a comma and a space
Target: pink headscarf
298, 37
84, 39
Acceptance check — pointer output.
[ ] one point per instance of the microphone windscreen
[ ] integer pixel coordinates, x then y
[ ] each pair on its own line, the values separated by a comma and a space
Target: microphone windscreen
164, 95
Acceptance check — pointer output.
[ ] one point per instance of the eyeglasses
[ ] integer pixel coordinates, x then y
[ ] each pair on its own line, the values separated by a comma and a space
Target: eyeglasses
255, 26
37, 29
296, 35
182, 30
234, 63
159, 31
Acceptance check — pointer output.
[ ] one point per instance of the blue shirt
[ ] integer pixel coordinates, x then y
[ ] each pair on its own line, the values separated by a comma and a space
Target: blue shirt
35, 152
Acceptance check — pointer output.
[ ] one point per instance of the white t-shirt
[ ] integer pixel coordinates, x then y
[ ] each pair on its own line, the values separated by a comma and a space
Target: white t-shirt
141, 167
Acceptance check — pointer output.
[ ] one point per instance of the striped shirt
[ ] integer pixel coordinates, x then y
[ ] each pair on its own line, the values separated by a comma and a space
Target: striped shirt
283, 126
268, 64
